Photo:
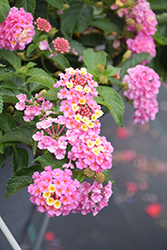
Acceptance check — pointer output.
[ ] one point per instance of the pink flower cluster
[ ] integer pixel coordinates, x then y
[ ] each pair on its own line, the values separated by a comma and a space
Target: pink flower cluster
61, 45
42, 24
83, 127
93, 198
55, 193
39, 107
143, 87
141, 43
17, 30
142, 19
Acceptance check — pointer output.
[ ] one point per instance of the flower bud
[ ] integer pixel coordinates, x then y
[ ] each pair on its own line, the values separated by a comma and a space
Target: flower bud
89, 172
100, 177
126, 55
100, 67
52, 32
10, 109
125, 85
66, 6
103, 79
130, 21
139, 26
43, 91
56, 74
21, 55
99, 4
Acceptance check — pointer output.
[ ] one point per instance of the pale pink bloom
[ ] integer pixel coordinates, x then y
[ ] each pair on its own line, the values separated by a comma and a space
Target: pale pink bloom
43, 45
42, 24
61, 45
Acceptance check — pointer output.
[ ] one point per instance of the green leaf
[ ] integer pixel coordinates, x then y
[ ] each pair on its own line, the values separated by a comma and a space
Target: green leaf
18, 117
105, 24
77, 46
162, 18
110, 71
51, 94
59, 59
1, 146
44, 80
6, 122
50, 160
76, 18
7, 153
112, 100
116, 82
160, 39
36, 72
6, 74
92, 58
106, 173
57, 4
19, 134
4, 9
133, 61
11, 57
21, 179
28, 5
1, 104
158, 5
20, 158
31, 47
30, 65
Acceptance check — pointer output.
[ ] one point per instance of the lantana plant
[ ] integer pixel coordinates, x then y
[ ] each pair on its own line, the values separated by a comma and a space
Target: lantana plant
63, 65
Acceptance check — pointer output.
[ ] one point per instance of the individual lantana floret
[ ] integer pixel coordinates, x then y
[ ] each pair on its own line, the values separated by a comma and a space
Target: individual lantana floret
143, 87
17, 30
42, 24
39, 107
51, 140
54, 192
93, 198
61, 45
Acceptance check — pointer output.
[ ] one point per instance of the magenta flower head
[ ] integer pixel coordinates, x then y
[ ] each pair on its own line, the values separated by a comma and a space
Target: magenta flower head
42, 24
143, 87
54, 192
61, 45
17, 30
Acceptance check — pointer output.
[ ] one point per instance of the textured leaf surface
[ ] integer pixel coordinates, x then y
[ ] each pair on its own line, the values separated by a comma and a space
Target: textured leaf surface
6, 122
20, 158
92, 58
110, 71
3, 157
105, 24
44, 80
76, 18
11, 57
112, 100
57, 4
50, 160
133, 61
79, 48
21, 179
19, 134
4, 9
6, 74
1, 104
28, 5
59, 59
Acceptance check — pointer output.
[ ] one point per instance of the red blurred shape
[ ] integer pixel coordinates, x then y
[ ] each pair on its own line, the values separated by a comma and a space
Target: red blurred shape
153, 210
122, 133
49, 236
131, 187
